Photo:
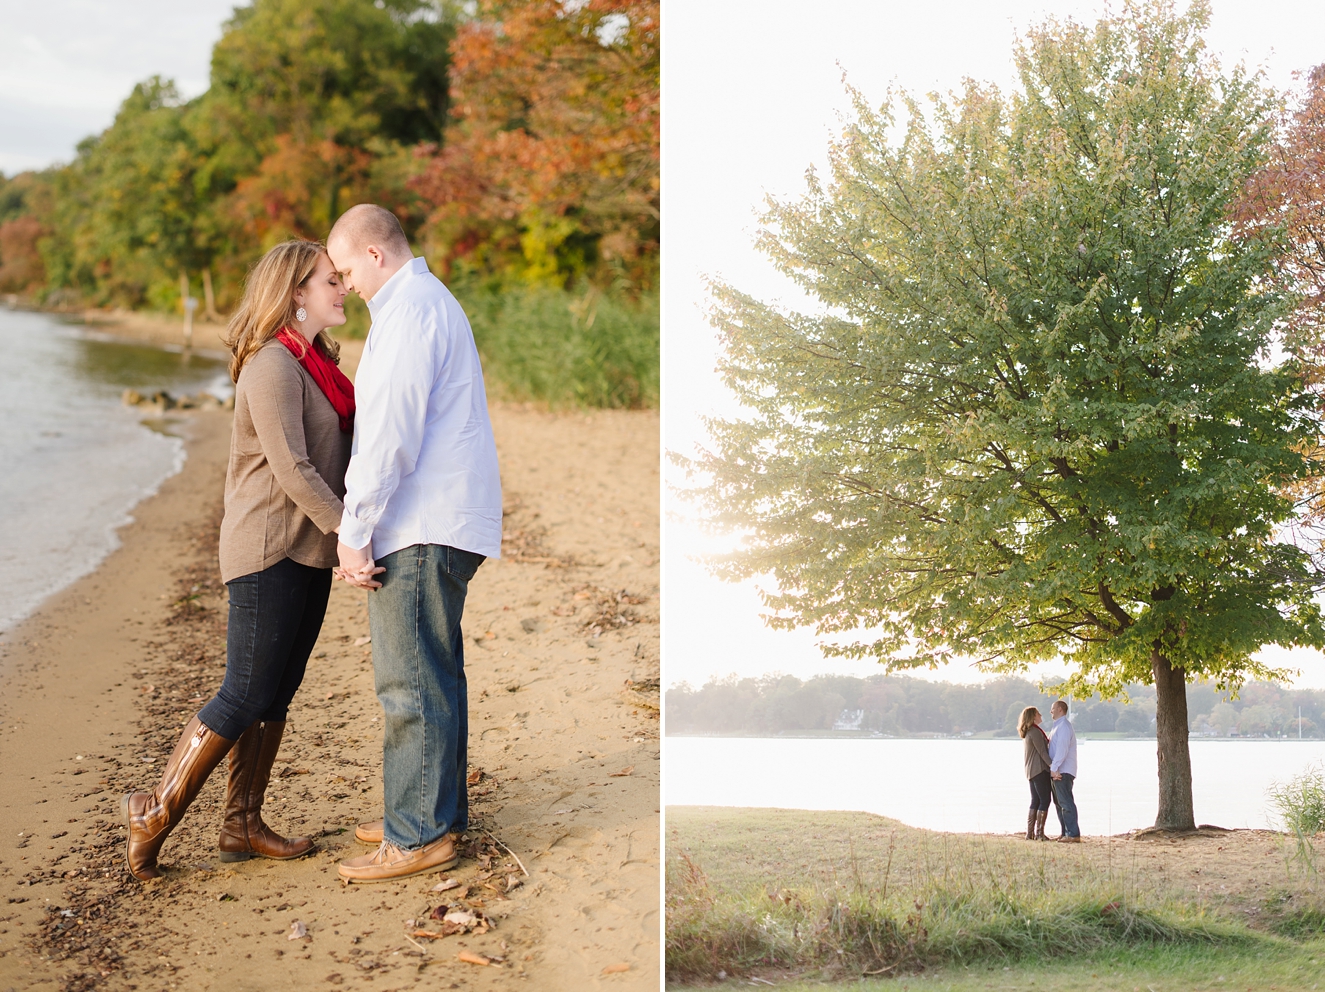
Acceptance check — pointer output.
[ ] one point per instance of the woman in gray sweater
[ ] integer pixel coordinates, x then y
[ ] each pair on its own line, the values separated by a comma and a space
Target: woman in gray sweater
1035, 756
289, 448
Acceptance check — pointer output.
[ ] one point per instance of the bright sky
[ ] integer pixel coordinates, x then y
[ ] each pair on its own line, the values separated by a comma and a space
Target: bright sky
749, 103
66, 65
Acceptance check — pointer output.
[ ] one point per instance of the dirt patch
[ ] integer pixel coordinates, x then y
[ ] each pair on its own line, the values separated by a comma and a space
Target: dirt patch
559, 886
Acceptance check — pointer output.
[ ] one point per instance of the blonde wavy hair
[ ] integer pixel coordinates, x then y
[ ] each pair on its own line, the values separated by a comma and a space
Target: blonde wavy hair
268, 303
1027, 720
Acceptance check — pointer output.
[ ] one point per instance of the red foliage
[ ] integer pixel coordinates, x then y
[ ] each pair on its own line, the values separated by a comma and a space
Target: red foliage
1290, 191
551, 169
1289, 195
21, 267
298, 190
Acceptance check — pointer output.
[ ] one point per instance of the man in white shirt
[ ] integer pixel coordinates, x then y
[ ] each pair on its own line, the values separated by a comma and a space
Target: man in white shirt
422, 511
1063, 770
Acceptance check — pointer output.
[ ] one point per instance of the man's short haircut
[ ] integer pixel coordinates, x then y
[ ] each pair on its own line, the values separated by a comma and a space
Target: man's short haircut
368, 224
1058, 703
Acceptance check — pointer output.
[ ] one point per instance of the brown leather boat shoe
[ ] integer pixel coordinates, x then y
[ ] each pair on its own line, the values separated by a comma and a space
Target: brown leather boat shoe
389, 862
372, 832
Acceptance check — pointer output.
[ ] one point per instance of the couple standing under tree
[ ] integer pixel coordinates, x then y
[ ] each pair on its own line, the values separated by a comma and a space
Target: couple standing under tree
395, 491
1051, 768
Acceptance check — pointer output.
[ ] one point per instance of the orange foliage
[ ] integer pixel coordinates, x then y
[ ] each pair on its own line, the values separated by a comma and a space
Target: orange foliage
551, 167
298, 190
21, 268
1290, 191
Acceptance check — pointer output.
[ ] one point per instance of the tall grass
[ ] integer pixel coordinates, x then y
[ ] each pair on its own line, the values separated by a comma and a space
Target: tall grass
963, 913
583, 348
1300, 802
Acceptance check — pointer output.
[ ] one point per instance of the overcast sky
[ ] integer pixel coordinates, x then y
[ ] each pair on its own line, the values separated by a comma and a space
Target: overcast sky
749, 103
66, 65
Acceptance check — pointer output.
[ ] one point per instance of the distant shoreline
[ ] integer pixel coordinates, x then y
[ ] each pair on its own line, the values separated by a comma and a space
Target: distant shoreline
165, 331
848, 735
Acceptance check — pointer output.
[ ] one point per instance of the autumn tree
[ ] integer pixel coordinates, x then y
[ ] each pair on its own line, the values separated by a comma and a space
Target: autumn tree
1036, 414
550, 169
25, 207
312, 106
1285, 201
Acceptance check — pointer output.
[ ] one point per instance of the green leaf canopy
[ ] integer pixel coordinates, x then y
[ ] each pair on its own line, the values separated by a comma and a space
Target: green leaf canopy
1039, 411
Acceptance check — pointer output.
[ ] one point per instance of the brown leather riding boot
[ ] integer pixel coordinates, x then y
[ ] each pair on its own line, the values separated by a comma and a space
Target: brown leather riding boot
1030, 825
243, 834
150, 816
1040, 817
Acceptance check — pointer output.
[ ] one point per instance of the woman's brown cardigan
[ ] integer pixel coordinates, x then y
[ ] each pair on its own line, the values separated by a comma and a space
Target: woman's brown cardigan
286, 477
1035, 752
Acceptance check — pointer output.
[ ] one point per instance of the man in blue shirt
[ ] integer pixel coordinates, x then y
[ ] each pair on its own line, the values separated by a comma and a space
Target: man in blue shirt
1063, 770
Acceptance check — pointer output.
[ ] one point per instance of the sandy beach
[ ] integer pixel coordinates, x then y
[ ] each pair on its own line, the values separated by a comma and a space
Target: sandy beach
562, 657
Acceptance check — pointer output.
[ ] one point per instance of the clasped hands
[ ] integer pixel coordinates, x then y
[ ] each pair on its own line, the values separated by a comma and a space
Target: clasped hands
357, 566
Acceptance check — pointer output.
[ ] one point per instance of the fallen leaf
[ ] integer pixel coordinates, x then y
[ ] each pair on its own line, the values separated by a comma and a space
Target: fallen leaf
445, 885
489, 635
460, 917
469, 957
615, 969
624, 772
428, 933
361, 641
513, 882
474, 777
298, 930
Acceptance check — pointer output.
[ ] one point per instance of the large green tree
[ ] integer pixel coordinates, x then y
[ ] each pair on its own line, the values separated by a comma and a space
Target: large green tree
1037, 413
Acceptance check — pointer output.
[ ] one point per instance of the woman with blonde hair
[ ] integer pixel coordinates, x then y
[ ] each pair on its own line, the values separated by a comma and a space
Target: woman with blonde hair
1035, 755
289, 447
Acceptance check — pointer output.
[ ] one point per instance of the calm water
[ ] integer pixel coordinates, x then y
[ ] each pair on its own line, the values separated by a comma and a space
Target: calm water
75, 460
973, 786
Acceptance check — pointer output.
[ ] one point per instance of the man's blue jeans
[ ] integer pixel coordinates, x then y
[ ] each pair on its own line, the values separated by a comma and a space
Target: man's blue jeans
419, 672
1067, 806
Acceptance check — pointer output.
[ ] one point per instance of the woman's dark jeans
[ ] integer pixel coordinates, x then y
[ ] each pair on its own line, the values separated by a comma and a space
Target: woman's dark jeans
1042, 792
275, 617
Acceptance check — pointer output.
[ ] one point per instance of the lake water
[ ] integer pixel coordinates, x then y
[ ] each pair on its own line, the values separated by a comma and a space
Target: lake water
75, 459
973, 786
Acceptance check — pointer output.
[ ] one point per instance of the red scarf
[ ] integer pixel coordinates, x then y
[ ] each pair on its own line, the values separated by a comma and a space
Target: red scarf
338, 390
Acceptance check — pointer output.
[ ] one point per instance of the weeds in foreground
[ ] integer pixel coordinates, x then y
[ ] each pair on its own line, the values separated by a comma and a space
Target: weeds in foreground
1300, 803
961, 911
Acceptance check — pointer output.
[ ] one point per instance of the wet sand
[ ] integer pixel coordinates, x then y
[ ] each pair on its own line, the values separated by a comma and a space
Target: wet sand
562, 660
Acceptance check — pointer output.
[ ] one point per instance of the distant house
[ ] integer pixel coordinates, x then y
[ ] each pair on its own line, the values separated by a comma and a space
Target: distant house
849, 720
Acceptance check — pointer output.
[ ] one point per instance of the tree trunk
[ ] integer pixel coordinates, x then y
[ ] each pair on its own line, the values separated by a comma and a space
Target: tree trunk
208, 297
1175, 760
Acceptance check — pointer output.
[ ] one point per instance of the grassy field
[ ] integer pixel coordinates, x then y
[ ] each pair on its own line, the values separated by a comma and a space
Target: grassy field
800, 898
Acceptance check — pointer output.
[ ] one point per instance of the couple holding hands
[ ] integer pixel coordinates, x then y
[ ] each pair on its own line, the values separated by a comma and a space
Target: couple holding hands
390, 484
1051, 768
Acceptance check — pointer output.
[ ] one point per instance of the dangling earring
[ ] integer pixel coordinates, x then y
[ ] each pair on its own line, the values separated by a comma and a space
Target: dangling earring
301, 315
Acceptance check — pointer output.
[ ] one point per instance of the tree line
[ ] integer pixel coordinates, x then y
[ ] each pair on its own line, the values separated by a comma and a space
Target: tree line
517, 140
903, 706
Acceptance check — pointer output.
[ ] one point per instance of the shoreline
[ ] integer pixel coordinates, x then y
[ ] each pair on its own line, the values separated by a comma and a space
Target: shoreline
161, 331
563, 672
852, 736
